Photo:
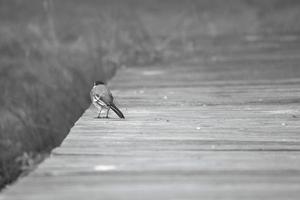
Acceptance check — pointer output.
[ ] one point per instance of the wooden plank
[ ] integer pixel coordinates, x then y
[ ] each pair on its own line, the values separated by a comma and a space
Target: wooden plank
226, 128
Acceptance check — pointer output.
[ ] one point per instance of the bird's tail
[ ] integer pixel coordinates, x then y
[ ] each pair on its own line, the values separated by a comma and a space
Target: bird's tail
117, 111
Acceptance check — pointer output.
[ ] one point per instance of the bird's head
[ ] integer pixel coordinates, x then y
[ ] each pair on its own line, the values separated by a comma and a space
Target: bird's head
99, 83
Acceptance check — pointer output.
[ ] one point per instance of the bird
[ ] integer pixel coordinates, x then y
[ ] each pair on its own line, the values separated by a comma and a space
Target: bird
102, 97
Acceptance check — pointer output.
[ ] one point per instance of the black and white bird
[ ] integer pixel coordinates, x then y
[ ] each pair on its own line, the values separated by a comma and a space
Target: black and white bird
102, 99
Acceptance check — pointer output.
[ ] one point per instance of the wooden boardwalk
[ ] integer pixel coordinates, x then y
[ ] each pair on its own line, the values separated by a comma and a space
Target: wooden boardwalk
221, 126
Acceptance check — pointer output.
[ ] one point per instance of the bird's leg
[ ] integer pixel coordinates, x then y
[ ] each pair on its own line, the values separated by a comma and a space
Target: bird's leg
99, 114
107, 112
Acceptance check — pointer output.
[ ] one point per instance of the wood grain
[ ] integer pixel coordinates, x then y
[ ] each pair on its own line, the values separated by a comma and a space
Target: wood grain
224, 126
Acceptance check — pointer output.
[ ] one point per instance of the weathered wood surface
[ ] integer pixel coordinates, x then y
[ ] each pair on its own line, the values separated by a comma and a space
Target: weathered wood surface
221, 126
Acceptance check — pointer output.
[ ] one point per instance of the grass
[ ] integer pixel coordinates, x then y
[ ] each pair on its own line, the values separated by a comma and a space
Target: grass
52, 50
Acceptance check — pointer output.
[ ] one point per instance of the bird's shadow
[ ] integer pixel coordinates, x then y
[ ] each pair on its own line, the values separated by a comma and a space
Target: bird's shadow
101, 117
109, 118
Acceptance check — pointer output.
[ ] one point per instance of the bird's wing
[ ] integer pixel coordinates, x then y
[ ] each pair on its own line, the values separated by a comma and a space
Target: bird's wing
106, 96
110, 95
106, 100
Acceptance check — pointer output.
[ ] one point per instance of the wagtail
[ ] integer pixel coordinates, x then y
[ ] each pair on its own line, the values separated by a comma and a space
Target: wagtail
102, 98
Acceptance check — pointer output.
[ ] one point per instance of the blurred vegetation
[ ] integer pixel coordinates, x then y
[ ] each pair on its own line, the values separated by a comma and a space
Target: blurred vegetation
52, 50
